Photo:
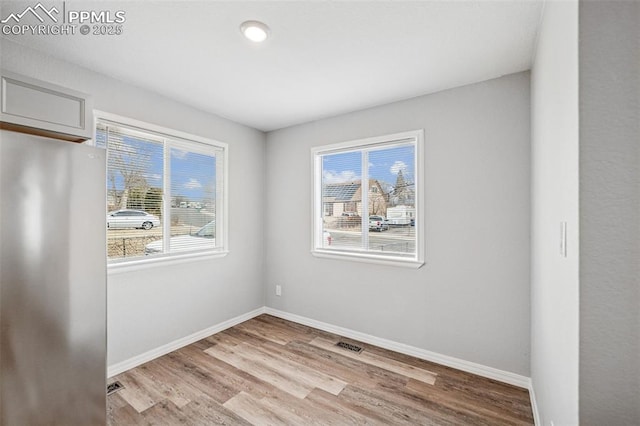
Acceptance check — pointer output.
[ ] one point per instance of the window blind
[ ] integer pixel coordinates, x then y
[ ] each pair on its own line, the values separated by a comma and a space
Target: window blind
368, 198
163, 193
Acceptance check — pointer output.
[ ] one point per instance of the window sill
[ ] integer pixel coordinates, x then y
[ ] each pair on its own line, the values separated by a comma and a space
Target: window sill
142, 263
368, 258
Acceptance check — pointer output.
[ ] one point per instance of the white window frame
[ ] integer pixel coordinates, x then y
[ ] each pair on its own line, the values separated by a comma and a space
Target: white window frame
176, 138
317, 249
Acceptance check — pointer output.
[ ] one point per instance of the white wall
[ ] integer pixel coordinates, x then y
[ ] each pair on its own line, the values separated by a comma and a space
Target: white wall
609, 213
471, 299
555, 279
150, 308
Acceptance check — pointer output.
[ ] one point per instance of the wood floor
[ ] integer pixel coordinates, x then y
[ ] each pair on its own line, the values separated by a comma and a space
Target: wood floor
268, 371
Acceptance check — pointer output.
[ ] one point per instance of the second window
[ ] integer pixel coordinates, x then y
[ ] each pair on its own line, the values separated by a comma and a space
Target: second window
366, 198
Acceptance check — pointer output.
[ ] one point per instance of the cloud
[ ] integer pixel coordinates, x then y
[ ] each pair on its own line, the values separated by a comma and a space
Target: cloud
179, 154
193, 184
397, 166
331, 176
153, 176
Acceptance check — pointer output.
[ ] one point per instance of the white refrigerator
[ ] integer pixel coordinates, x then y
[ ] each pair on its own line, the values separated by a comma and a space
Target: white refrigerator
52, 282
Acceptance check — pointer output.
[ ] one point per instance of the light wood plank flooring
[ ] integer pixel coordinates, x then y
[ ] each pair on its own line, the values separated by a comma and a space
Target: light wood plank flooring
268, 371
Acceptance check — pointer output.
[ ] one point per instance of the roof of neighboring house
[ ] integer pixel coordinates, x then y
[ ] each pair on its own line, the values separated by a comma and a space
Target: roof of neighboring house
340, 191
344, 191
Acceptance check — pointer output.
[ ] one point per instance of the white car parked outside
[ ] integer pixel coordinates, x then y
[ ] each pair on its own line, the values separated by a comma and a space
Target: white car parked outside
131, 219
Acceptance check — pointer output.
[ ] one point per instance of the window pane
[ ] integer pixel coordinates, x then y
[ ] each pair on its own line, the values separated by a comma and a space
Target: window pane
342, 200
193, 200
392, 198
378, 216
101, 136
134, 182
157, 182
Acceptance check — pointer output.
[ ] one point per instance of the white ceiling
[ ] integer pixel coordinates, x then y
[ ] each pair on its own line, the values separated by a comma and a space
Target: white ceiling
323, 58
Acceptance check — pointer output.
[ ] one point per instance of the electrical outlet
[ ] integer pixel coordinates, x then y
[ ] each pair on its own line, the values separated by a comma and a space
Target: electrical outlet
278, 290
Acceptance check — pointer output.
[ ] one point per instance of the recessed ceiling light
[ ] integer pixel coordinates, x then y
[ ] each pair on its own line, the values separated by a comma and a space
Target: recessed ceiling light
255, 31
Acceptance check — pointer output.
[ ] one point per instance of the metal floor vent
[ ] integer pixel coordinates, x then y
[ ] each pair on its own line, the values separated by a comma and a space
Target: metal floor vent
349, 346
114, 387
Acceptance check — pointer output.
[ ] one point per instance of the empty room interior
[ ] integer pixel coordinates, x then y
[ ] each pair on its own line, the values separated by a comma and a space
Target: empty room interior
323, 212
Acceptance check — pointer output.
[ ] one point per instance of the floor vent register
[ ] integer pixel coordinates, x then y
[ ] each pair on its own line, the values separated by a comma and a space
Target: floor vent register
349, 347
114, 387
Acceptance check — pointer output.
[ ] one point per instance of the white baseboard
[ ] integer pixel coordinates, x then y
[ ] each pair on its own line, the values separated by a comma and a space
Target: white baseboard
130, 363
534, 406
449, 361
